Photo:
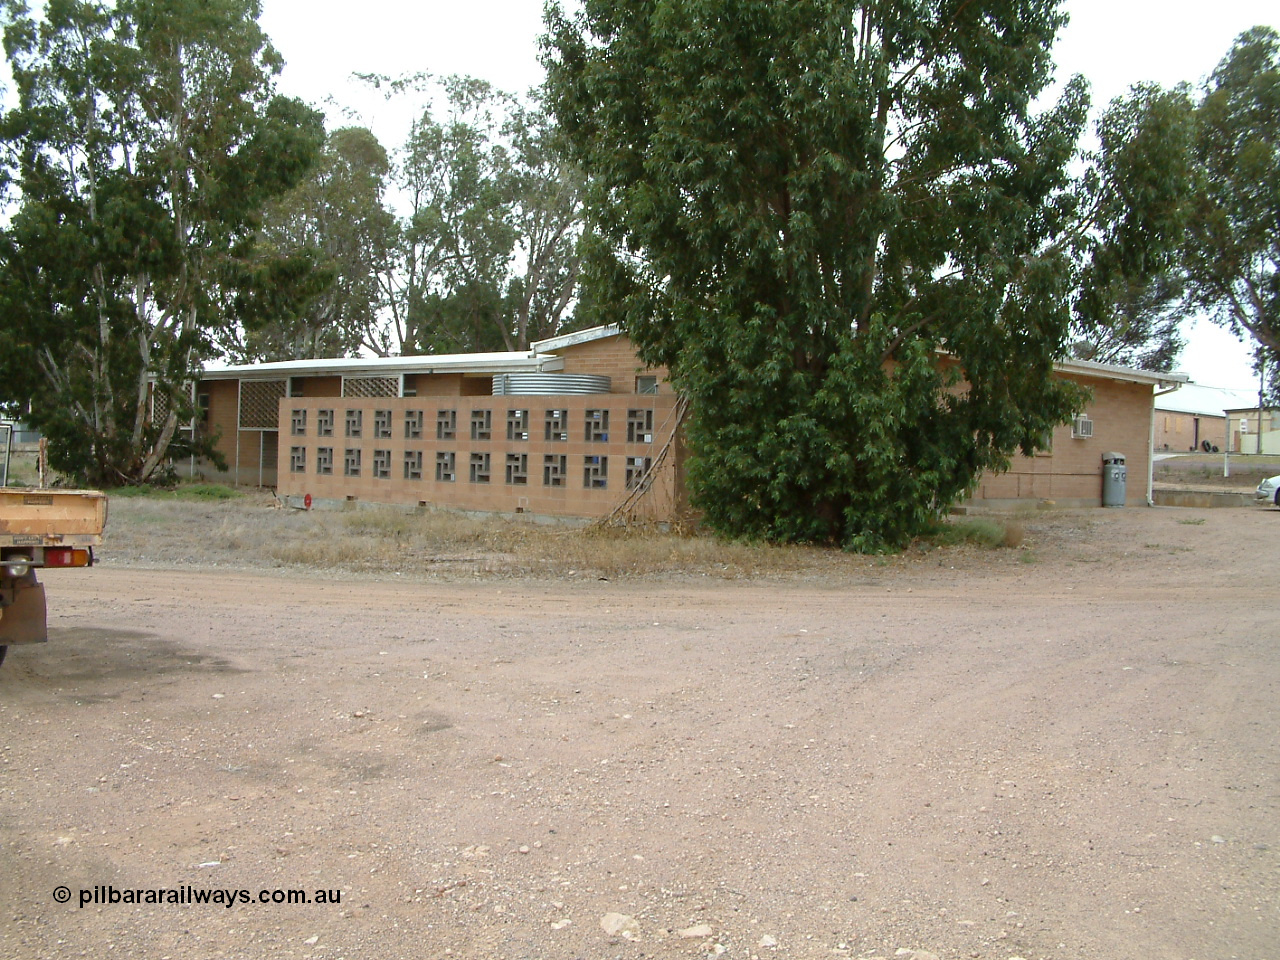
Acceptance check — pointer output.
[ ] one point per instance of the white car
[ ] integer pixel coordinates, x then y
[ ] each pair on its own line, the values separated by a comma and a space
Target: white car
1269, 489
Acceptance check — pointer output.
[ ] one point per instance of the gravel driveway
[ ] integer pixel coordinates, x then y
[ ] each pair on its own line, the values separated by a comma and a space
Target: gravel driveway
1074, 757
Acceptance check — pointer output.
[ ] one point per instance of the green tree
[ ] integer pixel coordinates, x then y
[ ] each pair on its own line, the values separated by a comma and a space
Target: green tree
847, 234
547, 215
455, 238
1143, 326
486, 254
1132, 299
1233, 244
145, 141
313, 290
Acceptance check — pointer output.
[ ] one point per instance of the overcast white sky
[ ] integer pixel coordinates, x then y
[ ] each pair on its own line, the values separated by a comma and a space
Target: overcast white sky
1114, 43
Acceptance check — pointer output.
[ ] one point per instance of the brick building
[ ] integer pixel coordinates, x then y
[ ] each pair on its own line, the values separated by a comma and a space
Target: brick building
1195, 415
575, 426
1254, 429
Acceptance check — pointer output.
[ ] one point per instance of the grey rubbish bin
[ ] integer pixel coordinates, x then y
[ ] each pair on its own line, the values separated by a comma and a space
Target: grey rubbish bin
1113, 478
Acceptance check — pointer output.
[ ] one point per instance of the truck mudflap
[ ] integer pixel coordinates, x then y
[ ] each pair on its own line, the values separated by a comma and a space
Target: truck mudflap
22, 611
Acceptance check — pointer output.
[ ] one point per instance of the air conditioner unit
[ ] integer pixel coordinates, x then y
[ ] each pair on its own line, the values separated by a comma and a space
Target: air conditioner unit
1082, 428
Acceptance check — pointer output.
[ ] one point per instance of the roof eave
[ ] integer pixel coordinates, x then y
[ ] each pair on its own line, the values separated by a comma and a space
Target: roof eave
1109, 371
552, 344
460, 363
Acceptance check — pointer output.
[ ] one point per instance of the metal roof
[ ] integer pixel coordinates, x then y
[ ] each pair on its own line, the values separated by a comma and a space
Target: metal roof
552, 344
1110, 371
1195, 398
484, 363
540, 358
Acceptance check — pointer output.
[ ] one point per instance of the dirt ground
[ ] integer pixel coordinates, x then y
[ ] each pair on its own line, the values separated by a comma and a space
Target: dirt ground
1069, 752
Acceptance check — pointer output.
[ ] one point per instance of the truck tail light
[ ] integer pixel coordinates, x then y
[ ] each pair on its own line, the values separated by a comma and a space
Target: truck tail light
68, 557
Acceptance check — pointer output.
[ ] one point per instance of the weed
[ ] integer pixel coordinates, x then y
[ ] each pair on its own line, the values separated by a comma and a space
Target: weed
1192, 521
251, 531
980, 531
213, 492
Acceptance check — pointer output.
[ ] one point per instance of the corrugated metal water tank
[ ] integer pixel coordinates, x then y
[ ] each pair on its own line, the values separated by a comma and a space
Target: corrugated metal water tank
548, 384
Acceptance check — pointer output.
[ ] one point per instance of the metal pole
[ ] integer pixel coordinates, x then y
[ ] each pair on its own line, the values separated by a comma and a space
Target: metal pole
6, 429
1262, 389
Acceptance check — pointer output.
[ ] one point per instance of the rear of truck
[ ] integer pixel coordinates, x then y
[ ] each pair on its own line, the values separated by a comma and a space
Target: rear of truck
40, 529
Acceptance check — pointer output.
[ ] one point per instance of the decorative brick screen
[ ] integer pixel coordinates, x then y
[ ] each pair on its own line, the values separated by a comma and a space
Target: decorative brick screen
159, 406
260, 403
370, 386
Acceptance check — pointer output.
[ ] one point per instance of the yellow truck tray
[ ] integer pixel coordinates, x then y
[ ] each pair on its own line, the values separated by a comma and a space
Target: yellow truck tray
40, 518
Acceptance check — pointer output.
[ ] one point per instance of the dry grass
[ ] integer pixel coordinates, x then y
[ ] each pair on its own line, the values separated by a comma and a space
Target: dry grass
984, 531
253, 530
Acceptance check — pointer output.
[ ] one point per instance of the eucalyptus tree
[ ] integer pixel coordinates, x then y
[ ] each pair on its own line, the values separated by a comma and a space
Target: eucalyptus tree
547, 214
485, 252
313, 289
454, 237
1233, 247
849, 235
1132, 294
145, 140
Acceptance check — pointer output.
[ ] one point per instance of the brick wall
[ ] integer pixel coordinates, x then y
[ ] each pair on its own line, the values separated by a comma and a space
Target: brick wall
588, 470
316, 386
612, 357
1180, 432
1072, 473
223, 424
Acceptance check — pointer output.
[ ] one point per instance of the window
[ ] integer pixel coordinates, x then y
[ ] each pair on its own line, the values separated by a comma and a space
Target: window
517, 424
202, 401
351, 462
517, 468
297, 459
355, 422
446, 466
637, 468
413, 465
324, 423
597, 426
298, 422
480, 468
556, 423
481, 424
324, 460
646, 385
382, 424
595, 472
413, 424
382, 464
639, 426
446, 424
554, 470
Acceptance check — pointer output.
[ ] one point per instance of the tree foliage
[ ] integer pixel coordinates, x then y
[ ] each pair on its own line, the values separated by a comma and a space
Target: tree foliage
485, 256
322, 247
1131, 299
145, 140
1233, 245
850, 238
